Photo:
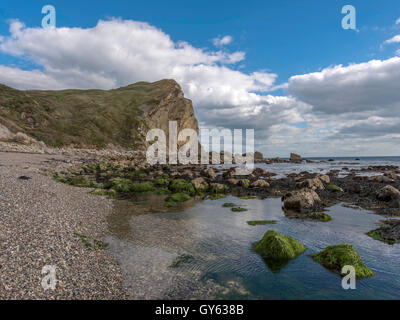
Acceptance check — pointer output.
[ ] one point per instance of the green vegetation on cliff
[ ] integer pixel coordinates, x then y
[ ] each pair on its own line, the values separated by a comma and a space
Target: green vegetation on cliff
84, 118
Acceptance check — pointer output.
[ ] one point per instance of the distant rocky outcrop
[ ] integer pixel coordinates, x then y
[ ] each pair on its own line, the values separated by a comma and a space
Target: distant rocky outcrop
94, 118
295, 157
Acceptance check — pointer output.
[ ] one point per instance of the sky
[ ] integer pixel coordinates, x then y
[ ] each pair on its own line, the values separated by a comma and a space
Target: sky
285, 68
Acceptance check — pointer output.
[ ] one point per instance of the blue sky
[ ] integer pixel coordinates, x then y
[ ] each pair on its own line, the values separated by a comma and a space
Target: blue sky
286, 37
280, 40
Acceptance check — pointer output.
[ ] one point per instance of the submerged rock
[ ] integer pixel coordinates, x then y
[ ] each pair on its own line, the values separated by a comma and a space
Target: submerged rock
238, 209
261, 222
321, 216
334, 258
388, 232
174, 199
277, 249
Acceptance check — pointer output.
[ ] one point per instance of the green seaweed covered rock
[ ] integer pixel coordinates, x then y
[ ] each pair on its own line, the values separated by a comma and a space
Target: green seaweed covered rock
276, 245
142, 187
181, 185
174, 199
333, 187
321, 216
336, 257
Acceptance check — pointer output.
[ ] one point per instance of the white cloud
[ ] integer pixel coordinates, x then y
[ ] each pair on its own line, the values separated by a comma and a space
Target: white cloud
398, 21
220, 42
117, 52
370, 86
395, 39
338, 104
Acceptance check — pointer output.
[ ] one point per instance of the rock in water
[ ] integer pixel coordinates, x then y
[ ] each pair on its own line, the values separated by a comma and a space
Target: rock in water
277, 249
300, 200
334, 258
295, 157
258, 156
388, 232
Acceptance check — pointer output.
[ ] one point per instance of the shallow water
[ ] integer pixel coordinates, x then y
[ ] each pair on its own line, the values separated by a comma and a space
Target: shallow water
322, 165
216, 260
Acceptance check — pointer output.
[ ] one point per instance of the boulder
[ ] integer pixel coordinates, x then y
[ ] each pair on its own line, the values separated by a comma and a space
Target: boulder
244, 183
200, 184
324, 178
392, 175
260, 184
258, 156
336, 257
187, 173
313, 184
275, 245
381, 179
182, 186
259, 172
217, 188
295, 157
230, 173
233, 181
209, 173
300, 200
388, 193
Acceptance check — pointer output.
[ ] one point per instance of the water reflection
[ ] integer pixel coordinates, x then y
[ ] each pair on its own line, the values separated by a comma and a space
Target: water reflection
149, 239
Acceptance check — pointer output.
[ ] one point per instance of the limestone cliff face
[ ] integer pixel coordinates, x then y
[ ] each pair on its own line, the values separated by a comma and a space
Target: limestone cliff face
171, 106
94, 118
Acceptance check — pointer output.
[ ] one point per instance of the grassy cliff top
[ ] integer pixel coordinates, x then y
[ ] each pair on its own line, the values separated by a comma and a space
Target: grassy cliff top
85, 118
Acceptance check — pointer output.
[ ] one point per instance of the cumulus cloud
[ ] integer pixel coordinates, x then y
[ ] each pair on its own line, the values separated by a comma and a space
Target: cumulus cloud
338, 104
119, 52
355, 108
219, 42
395, 39
398, 21
370, 86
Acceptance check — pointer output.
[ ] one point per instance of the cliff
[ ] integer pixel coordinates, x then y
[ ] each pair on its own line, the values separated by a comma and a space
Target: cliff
93, 118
